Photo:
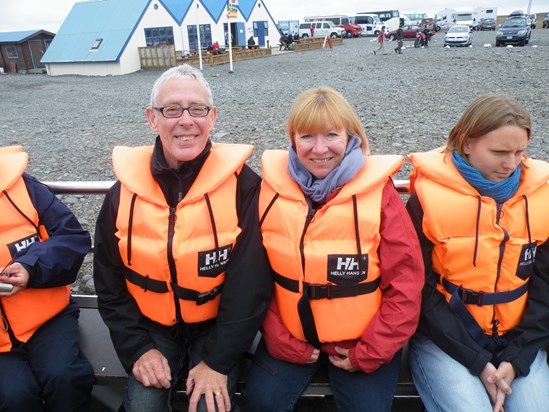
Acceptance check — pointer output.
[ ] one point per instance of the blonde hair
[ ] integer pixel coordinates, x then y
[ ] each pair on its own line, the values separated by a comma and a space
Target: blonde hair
316, 109
485, 114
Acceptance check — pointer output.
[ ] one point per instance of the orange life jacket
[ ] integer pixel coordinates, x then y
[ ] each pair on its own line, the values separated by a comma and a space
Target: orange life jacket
27, 310
176, 259
484, 254
330, 259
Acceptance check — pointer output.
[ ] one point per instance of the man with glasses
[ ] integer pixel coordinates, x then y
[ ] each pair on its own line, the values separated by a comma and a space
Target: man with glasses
181, 276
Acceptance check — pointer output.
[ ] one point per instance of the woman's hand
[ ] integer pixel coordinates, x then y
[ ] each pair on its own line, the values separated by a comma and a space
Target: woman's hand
498, 383
342, 360
314, 356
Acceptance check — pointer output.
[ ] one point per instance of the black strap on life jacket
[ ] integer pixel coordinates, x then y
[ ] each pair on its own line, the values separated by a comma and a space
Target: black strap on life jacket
312, 291
462, 296
158, 286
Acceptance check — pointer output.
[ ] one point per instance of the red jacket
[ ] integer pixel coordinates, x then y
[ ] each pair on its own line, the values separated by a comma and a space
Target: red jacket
402, 277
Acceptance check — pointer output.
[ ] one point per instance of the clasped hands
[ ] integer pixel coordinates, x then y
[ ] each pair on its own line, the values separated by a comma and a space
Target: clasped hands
498, 383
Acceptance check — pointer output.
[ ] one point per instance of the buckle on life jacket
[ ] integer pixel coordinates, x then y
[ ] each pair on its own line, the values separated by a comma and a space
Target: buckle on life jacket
207, 296
318, 291
471, 296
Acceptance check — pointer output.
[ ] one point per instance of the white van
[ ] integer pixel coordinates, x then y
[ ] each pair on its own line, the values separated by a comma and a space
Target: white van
370, 23
322, 28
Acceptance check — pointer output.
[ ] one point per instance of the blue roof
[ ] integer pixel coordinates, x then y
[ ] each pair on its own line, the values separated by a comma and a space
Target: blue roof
18, 36
217, 9
114, 21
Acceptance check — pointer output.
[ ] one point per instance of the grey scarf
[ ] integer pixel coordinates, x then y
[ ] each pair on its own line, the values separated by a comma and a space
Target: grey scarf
319, 189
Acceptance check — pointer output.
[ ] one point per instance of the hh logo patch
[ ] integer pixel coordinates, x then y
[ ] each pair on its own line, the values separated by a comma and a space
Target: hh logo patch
213, 262
526, 260
347, 269
21, 244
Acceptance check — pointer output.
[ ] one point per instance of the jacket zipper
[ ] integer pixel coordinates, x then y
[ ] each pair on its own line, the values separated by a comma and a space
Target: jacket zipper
308, 220
171, 263
495, 322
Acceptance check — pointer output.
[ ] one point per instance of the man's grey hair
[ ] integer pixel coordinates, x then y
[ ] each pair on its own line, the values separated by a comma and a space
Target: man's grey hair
182, 72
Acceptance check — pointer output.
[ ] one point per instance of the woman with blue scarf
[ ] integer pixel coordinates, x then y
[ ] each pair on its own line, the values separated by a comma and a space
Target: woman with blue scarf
479, 206
346, 264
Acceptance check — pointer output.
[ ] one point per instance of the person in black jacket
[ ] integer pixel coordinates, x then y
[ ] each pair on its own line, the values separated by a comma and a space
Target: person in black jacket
399, 39
180, 272
42, 247
479, 208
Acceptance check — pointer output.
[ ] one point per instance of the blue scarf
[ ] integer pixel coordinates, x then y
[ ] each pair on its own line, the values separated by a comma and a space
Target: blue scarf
319, 189
500, 192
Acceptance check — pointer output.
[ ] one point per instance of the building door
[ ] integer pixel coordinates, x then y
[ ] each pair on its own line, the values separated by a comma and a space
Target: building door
261, 31
240, 34
36, 52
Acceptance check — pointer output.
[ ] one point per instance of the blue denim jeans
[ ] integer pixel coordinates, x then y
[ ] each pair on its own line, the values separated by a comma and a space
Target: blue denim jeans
276, 385
446, 385
49, 370
180, 355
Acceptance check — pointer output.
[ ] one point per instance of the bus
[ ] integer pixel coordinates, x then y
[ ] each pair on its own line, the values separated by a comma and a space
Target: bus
341, 20
383, 15
370, 23
416, 18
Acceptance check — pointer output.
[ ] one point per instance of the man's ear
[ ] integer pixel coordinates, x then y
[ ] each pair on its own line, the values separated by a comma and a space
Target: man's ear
152, 118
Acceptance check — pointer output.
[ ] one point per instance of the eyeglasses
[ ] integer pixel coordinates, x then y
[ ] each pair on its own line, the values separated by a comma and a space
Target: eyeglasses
197, 110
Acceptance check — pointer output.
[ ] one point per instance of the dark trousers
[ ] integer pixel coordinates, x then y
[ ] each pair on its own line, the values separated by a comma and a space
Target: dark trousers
49, 373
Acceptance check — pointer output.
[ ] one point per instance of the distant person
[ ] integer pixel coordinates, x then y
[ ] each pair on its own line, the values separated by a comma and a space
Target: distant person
399, 39
251, 41
215, 48
427, 35
312, 30
42, 247
296, 36
380, 40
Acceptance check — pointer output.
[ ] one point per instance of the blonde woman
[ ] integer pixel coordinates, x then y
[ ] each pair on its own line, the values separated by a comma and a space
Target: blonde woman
346, 263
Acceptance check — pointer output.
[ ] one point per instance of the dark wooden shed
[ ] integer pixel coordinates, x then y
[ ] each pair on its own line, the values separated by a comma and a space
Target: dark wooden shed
21, 51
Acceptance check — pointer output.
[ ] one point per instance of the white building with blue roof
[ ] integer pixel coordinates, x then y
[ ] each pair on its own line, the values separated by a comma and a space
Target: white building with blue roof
102, 37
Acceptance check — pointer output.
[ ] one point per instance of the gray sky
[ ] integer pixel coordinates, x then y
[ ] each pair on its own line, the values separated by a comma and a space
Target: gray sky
49, 14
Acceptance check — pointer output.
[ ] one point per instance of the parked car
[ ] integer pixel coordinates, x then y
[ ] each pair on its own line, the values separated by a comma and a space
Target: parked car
429, 22
487, 23
410, 32
532, 20
351, 30
322, 28
458, 35
514, 30
546, 21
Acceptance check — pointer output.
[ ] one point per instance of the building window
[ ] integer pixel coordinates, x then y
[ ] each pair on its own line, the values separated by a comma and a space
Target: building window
159, 36
96, 44
205, 36
11, 51
265, 28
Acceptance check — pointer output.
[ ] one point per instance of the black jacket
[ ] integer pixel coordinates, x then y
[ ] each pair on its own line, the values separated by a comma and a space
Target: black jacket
443, 327
246, 292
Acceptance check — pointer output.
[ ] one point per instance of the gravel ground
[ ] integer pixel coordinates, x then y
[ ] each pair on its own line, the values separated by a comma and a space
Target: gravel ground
70, 124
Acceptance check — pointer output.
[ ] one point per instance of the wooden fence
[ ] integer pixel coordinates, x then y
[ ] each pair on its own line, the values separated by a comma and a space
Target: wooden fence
157, 57
164, 57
